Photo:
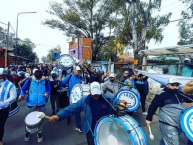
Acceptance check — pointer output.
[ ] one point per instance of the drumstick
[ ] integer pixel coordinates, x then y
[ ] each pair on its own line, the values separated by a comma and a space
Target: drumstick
42, 115
150, 135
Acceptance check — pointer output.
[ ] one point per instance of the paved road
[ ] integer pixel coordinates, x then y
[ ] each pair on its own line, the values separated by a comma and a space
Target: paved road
61, 134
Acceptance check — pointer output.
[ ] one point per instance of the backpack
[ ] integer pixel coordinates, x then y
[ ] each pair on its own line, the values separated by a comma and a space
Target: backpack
29, 83
70, 78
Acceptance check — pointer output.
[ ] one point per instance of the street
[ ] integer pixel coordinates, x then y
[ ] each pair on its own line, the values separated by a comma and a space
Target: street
61, 134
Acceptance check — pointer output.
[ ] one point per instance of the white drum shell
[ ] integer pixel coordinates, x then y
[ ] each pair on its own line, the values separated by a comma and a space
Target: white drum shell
33, 123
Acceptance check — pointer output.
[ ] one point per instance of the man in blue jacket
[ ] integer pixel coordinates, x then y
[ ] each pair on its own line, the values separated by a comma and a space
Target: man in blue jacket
39, 89
70, 80
95, 106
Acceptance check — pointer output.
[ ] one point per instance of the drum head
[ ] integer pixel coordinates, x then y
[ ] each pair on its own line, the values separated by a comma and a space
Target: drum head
129, 96
186, 122
66, 61
76, 93
32, 119
119, 131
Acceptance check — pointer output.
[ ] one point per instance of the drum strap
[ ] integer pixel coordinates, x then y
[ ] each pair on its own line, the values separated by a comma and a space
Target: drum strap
168, 124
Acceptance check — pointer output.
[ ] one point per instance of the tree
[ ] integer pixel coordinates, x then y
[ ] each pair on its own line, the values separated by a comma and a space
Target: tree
186, 25
44, 59
137, 26
86, 18
50, 57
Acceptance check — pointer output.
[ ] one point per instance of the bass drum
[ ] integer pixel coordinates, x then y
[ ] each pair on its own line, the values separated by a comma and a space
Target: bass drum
14, 108
129, 96
86, 89
66, 62
186, 122
123, 130
133, 89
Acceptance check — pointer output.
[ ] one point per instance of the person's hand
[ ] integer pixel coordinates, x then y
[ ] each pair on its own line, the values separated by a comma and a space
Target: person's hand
47, 77
148, 123
21, 97
21, 82
124, 102
55, 86
46, 95
82, 82
60, 78
54, 118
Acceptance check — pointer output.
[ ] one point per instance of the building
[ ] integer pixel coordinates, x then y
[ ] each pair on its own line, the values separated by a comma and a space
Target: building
80, 48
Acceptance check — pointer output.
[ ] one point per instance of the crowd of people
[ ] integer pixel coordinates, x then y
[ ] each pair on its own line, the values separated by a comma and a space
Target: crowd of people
39, 82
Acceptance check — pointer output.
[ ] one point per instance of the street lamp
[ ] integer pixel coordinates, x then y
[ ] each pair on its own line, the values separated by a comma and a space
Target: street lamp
17, 31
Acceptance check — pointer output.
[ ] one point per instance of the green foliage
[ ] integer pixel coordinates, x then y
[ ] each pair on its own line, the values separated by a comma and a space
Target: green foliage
50, 57
86, 18
186, 25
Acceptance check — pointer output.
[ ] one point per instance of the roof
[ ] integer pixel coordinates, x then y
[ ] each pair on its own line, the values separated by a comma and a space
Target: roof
3, 46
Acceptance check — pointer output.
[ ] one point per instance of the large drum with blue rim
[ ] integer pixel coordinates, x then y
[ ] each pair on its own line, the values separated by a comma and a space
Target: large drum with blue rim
123, 130
129, 95
186, 122
66, 62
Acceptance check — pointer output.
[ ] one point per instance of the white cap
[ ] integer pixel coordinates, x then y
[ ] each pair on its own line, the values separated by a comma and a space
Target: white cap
95, 88
112, 75
3, 71
53, 72
77, 68
173, 80
27, 75
34, 70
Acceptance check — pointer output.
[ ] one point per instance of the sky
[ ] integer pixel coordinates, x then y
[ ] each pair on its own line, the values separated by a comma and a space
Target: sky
30, 25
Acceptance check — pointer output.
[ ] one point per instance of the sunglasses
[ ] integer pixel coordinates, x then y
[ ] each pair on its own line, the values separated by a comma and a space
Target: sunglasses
177, 85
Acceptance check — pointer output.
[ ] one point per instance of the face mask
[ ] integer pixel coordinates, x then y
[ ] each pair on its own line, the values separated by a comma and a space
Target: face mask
53, 77
112, 80
173, 90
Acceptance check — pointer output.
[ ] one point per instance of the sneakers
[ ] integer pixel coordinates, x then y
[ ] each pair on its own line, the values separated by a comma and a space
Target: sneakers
40, 137
144, 113
78, 129
26, 138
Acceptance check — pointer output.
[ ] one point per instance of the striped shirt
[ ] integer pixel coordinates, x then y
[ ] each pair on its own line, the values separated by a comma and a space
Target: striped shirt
8, 94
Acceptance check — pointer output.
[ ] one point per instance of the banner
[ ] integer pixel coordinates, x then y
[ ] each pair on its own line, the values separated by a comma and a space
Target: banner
163, 78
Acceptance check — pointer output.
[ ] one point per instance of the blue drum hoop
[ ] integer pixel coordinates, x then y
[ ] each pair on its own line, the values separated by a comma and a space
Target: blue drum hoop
185, 120
135, 96
134, 124
81, 94
65, 67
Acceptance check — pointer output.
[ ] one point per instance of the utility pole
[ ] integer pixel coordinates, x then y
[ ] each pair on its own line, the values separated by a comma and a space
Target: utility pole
7, 45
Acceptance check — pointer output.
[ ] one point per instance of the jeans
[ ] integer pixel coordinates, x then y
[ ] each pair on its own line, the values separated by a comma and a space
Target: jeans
29, 110
90, 138
170, 135
54, 100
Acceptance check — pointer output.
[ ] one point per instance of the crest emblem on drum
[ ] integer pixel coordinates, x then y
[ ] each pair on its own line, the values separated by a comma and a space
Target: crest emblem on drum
186, 122
129, 96
76, 93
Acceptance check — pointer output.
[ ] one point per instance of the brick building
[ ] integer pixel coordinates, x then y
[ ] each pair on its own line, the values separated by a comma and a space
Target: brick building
80, 48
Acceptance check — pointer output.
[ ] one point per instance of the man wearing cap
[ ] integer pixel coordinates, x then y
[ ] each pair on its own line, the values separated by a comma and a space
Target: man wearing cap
70, 80
95, 106
39, 90
130, 80
8, 95
124, 77
93, 75
111, 87
171, 103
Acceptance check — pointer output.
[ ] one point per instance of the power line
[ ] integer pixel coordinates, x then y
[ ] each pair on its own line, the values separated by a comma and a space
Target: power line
169, 4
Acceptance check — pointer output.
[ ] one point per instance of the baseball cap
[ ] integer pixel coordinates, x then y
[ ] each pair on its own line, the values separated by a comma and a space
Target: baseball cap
3, 71
173, 80
77, 68
13, 74
53, 72
112, 75
95, 88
